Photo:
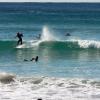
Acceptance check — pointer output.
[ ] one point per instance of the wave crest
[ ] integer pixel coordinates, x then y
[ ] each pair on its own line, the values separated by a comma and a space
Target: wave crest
89, 44
68, 44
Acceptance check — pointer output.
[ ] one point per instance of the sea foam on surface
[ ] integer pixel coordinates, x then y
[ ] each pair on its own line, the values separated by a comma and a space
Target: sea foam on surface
6, 77
32, 88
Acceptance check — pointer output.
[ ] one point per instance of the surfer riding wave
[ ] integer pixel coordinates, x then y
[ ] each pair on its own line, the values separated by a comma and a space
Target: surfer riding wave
19, 35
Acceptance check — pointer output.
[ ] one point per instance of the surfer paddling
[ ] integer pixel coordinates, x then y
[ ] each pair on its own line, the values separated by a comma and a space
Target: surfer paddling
19, 35
33, 59
36, 59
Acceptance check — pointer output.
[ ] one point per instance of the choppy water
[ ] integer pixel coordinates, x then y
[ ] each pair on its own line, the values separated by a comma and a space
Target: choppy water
68, 67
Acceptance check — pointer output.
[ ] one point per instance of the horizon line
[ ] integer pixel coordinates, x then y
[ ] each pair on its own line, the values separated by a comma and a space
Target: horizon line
48, 2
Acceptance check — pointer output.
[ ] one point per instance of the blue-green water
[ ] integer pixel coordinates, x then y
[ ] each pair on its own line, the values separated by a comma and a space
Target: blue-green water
60, 56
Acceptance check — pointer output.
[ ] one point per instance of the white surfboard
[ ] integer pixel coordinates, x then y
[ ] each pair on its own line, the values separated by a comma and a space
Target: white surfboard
20, 46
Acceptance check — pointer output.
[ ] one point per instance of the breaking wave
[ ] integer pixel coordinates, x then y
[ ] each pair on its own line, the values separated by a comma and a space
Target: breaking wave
50, 88
47, 39
69, 44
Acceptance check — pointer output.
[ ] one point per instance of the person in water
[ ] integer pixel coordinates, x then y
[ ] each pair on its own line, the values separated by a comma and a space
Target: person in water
39, 36
68, 34
36, 59
19, 35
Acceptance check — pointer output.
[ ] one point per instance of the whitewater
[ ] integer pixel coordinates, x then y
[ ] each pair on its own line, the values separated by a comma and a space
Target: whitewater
33, 88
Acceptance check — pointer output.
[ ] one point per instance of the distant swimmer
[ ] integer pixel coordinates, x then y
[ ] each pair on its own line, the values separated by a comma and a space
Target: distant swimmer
19, 35
68, 34
33, 59
39, 36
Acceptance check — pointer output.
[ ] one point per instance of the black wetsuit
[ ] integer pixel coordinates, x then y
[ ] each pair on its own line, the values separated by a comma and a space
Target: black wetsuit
36, 59
68, 34
19, 35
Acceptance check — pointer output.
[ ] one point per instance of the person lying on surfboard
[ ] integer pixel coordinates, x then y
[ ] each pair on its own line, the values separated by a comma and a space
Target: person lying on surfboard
19, 35
33, 59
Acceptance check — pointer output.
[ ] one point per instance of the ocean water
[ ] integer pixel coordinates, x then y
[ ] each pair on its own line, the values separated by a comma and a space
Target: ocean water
68, 67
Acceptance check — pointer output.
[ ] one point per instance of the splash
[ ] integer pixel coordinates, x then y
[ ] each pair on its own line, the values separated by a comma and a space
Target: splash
47, 35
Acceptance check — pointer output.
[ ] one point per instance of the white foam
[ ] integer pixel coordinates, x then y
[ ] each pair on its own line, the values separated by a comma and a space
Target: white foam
50, 89
89, 43
86, 43
47, 35
6, 77
21, 46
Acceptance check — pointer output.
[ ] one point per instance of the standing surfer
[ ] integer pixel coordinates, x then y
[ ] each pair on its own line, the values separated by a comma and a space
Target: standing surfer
19, 35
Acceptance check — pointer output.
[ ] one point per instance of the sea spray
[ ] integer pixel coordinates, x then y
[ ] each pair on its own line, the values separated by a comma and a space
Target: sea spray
47, 35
